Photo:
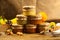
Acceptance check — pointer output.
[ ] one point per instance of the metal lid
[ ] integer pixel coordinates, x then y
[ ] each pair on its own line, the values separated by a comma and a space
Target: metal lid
16, 25
21, 15
30, 25
28, 7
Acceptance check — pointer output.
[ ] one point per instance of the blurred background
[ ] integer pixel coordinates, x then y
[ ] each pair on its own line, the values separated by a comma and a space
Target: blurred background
13, 7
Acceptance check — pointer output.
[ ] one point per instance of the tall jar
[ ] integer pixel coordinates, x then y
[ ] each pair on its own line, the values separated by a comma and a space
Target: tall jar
21, 19
30, 28
17, 28
29, 10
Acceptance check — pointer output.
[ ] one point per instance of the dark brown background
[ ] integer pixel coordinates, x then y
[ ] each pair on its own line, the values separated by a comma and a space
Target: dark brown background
51, 7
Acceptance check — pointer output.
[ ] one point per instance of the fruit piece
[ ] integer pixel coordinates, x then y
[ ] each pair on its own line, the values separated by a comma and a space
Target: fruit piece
9, 32
43, 15
19, 33
52, 26
14, 21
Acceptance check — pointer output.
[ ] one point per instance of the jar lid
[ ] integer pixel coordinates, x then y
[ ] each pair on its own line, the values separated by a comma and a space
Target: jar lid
16, 25
36, 18
28, 7
21, 15
46, 23
30, 25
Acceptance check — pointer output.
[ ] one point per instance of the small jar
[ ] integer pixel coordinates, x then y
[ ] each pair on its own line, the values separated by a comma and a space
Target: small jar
17, 28
43, 27
21, 19
34, 19
30, 28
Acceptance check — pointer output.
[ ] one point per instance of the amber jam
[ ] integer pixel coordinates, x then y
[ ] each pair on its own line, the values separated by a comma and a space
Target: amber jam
17, 28
34, 19
30, 28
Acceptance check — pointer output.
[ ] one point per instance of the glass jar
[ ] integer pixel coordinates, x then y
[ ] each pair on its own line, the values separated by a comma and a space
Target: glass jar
17, 28
40, 28
30, 28
43, 27
34, 19
21, 19
29, 10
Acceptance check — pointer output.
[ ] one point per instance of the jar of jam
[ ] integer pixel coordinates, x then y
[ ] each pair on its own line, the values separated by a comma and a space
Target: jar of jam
21, 19
43, 27
29, 10
30, 28
17, 28
34, 19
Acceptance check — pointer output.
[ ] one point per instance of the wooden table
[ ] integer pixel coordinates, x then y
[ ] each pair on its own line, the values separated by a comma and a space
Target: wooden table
28, 37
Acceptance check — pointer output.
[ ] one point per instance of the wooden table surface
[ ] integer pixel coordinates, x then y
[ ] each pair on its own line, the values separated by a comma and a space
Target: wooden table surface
28, 37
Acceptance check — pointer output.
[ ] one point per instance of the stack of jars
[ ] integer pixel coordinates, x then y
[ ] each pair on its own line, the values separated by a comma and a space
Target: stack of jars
27, 26
21, 21
28, 22
36, 20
